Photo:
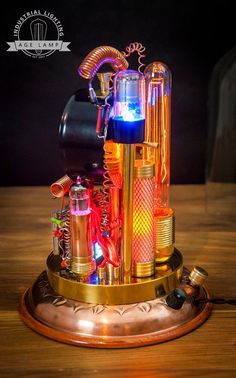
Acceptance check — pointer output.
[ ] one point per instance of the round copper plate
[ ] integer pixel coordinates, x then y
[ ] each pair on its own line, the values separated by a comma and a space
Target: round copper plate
107, 326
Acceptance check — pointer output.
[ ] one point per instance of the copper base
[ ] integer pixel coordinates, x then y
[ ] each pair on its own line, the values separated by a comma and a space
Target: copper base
107, 326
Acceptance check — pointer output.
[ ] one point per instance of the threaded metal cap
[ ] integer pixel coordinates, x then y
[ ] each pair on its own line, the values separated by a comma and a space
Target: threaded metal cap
144, 169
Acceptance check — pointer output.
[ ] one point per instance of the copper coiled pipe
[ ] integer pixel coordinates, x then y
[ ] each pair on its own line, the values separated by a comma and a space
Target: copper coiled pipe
97, 57
61, 186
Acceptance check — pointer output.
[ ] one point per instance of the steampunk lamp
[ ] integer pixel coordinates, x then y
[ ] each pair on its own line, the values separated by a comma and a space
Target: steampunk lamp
114, 277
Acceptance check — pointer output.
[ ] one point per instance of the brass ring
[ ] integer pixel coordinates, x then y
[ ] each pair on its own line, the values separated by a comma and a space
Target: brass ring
120, 293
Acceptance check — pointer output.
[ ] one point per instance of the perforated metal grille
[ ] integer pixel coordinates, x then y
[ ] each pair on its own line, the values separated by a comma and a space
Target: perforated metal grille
143, 221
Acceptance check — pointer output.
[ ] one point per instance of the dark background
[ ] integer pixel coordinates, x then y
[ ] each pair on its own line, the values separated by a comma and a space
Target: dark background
189, 36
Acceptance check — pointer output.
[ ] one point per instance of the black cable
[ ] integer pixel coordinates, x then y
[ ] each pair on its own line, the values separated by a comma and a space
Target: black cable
216, 301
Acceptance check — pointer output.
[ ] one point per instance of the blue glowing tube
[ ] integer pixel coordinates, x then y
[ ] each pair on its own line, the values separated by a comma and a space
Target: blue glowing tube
128, 118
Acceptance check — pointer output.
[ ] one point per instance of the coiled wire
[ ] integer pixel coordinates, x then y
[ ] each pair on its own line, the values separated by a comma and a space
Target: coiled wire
61, 186
97, 57
66, 237
135, 47
107, 183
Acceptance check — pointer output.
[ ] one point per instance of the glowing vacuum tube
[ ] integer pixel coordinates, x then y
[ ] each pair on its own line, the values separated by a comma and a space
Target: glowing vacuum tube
129, 107
157, 130
82, 262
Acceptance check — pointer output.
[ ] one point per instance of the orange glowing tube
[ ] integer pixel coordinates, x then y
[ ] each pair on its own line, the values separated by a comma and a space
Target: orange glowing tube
143, 220
157, 129
113, 161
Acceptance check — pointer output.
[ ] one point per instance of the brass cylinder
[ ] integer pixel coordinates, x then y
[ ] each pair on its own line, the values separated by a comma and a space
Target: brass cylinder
164, 236
110, 274
198, 276
143, 169
127, 208
116, 273
81, 266
82, 262
144, 269
101, 271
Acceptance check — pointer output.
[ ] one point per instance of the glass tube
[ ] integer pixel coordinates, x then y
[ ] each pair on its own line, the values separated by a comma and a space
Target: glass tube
129, 107
82, 262
157, 130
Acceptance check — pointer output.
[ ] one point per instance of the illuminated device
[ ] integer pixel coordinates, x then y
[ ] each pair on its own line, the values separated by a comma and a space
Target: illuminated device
114, 277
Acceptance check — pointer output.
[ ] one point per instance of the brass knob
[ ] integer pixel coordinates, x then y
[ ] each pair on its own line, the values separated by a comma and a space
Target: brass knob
198, 276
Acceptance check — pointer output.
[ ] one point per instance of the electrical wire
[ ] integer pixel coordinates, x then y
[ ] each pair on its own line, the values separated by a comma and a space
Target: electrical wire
231, 301
135, 47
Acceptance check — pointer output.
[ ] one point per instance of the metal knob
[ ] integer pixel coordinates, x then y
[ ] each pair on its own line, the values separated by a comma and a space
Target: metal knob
198, 276
176, 299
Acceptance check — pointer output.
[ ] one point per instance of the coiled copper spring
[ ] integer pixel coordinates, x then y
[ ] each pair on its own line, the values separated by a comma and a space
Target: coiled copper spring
97, 57
66, 237
135, 47
107, 183
101, 200
61, 186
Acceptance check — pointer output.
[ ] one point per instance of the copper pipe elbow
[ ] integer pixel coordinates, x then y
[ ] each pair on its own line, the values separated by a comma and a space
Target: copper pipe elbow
97, 57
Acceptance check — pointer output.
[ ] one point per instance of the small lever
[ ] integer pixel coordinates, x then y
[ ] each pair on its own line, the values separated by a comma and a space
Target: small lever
99, 121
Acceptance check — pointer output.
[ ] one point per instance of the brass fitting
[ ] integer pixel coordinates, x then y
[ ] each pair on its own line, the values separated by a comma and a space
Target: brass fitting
81, 266
143, 269
198, 276
104, 79
164, 235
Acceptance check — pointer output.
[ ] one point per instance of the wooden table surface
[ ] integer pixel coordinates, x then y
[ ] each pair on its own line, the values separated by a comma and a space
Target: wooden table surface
206, 238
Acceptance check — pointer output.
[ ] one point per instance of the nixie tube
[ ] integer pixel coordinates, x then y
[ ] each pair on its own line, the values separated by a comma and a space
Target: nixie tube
82, 262
157, 130
143, 258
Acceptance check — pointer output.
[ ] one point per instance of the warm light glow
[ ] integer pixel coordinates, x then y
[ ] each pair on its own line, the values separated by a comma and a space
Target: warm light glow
97, 250
143, 232
157, 129
141, 228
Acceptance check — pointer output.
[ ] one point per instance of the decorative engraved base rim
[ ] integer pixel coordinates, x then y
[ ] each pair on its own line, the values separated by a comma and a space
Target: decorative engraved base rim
105, 326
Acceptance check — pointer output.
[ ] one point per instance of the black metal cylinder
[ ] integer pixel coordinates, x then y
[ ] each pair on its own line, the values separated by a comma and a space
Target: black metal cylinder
81, 149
